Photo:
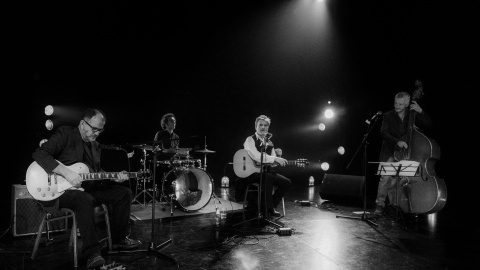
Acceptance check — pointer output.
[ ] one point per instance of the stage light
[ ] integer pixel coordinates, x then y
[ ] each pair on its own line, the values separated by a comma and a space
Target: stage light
325, 166
49, 124
341, 150
49, 110
321, 126
328, 113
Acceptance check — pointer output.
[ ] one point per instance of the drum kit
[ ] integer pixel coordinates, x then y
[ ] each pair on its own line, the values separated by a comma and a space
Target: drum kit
185, 182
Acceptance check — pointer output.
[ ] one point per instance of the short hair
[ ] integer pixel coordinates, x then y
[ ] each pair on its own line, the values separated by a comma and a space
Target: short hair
404, 95
91, 112
262, 117
163, 121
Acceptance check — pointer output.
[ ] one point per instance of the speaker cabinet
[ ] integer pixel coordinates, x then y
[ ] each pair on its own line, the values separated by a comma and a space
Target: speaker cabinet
339, 187
27, 214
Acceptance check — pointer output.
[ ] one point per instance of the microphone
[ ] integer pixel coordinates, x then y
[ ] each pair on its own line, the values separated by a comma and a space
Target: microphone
110, 147
269, 135
373, 117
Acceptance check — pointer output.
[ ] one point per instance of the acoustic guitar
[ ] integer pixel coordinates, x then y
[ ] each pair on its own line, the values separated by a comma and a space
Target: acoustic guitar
244, 165
47, 187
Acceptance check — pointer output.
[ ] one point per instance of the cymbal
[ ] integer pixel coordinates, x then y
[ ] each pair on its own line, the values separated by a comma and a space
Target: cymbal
205, 151
143, 146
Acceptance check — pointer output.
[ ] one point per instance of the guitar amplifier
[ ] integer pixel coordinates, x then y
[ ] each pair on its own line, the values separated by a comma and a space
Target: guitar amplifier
27, 214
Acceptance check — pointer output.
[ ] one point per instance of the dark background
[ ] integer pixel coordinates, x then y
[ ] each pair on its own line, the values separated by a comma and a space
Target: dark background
217, 65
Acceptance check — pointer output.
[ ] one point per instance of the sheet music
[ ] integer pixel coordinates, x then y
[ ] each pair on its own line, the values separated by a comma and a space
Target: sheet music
403, 168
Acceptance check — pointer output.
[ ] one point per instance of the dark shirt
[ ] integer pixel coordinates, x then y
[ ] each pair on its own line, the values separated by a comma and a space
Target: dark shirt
164, 139
393, 129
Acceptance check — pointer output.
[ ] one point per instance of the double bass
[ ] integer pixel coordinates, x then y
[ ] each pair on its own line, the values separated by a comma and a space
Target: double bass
424, 193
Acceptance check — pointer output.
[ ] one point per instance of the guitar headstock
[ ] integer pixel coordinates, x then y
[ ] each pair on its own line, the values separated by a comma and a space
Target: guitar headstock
302, 162
418, 93
144, 174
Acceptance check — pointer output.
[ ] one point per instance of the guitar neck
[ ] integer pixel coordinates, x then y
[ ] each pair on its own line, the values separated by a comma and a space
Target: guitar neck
104, 175
292, 162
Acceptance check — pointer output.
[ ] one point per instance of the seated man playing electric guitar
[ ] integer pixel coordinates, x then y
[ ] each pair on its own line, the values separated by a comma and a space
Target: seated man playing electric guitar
255, 145
69, 146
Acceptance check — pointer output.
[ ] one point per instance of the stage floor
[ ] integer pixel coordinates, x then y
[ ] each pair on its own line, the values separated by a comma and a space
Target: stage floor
323, 236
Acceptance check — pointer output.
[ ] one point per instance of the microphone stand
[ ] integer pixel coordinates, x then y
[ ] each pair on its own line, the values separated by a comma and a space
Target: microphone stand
263, 177
152, 248
364, 143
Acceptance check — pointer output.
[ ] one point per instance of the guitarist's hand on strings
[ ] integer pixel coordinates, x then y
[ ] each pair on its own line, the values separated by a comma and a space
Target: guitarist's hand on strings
281, 161
122, 176
72, 176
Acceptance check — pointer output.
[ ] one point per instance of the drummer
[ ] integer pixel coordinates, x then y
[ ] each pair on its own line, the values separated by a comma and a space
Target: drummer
166, 138
167, 123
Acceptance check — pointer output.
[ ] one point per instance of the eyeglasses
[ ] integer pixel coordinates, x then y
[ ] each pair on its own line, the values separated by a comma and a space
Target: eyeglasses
94, 129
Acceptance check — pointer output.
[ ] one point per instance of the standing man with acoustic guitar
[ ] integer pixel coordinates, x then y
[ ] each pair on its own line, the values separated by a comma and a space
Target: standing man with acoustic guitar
254, 144
68, 146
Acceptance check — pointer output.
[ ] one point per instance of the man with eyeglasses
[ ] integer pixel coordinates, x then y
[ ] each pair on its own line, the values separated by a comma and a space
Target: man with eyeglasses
70, 145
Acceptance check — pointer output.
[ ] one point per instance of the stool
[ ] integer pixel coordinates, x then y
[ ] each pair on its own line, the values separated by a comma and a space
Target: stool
253, 187
68, 213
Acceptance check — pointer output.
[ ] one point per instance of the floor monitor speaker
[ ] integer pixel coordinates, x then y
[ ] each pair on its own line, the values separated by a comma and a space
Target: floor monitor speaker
340, 187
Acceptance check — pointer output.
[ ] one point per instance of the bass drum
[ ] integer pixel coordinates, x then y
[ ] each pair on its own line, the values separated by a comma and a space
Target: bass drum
191, 190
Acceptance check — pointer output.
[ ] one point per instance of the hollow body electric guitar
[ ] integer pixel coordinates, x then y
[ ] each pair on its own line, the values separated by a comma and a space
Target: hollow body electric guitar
244, 165
47, 187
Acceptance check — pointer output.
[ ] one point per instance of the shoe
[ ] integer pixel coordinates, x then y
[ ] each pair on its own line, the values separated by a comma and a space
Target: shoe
379, 210
126, 243
273, 213
95, 260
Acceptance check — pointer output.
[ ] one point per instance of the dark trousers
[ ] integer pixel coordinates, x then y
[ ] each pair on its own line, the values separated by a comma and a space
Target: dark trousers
282, 183
83, 203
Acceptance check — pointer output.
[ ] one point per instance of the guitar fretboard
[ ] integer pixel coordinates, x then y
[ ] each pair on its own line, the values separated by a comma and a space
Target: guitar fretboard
104, 175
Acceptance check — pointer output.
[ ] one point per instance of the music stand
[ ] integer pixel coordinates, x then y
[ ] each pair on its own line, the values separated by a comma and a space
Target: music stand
400, 169
364, 143
263, 177
152, 248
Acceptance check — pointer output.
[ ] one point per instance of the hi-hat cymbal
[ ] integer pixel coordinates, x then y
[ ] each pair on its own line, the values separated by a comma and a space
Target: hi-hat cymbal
143, 146
205, 151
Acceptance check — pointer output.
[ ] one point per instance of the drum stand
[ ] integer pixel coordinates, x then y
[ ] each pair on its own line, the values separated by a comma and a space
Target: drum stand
152, 249
205, 151
165, 197
145, 179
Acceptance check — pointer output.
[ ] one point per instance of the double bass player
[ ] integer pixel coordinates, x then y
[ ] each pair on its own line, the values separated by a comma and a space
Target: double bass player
394, 128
